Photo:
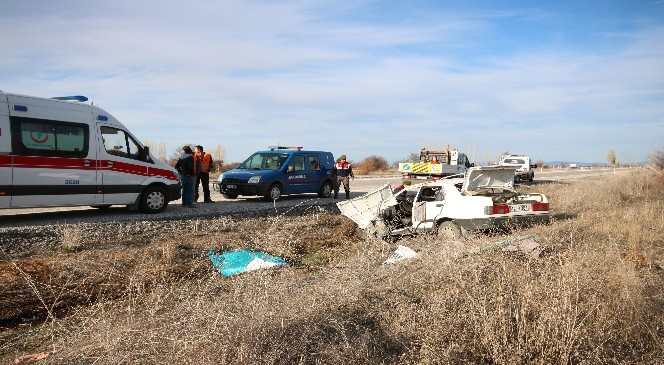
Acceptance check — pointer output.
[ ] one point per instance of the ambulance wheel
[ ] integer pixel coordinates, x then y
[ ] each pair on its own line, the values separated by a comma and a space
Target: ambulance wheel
101, 206
273, 193
449, 231
325, 190
153, 200
230, 195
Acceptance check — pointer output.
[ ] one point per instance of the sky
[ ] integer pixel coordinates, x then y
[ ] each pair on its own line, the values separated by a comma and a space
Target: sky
563, 80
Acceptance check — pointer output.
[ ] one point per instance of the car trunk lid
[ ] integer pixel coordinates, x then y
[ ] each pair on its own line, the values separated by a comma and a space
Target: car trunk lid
489, 177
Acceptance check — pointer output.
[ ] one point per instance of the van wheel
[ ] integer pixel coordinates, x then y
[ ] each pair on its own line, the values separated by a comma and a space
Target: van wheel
449, 231
153, 200
230, 195
325, 190
273, 193
101, 206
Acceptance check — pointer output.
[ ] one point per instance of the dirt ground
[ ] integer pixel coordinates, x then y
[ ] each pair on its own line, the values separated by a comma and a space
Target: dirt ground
594, 295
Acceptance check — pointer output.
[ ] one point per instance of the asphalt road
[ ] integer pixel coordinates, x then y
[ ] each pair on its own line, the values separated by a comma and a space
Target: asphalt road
222, 206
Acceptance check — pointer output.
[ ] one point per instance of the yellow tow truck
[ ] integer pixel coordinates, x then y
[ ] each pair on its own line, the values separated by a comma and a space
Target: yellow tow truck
435, 164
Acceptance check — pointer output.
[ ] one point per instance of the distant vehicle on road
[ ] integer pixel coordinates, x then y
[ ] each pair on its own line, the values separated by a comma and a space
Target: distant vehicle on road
524, 170
62, 152
278, 171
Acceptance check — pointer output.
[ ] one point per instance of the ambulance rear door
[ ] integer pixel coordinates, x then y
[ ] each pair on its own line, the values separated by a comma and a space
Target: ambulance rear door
5, 157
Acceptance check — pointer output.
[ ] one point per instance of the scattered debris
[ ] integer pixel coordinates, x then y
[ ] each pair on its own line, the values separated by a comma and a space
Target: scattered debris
400, 254
28, 359
527, 245
235, 262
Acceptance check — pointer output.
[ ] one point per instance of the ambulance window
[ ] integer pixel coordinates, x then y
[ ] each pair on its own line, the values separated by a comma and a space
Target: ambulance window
38, 136
115, 141
134, 149
44, 137
70, 138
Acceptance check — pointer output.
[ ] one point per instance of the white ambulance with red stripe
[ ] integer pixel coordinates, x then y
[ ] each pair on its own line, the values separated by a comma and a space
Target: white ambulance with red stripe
66, 153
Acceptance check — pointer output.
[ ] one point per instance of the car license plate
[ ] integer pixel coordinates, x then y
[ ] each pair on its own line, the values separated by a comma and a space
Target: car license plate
231, 186
520, 208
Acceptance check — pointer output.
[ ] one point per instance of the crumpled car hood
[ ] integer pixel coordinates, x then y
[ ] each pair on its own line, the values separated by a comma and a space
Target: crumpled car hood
366, 208
496, 177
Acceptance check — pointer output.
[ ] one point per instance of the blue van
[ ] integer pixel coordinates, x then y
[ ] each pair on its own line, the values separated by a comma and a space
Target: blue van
279, 171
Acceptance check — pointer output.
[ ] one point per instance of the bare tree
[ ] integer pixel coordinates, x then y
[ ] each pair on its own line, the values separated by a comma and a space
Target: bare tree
611, 158
218, 155
657, 160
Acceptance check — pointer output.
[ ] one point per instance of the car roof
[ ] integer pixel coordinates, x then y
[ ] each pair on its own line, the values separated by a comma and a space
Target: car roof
290, 151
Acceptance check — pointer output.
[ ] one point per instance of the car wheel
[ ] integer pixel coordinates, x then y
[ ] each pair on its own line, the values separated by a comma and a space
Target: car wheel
273, 193
230, 195
153, 200
101, 206
449, 231
325, 190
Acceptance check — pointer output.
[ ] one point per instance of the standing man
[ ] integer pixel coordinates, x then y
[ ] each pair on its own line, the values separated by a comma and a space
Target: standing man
187, 169
344, 172
203, 166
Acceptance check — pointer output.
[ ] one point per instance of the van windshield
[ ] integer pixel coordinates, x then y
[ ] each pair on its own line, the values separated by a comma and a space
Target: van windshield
264, 161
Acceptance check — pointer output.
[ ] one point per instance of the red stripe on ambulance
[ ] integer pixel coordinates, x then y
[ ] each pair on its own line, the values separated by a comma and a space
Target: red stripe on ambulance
83, 164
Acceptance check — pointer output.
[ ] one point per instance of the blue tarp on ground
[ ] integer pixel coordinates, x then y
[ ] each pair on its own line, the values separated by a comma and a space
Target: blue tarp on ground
235, 262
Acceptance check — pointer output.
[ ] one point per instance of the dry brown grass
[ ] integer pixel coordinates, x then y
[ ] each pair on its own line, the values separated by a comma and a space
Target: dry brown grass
594, 297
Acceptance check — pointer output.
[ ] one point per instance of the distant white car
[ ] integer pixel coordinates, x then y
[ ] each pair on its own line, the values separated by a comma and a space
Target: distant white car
484, 199
521, 163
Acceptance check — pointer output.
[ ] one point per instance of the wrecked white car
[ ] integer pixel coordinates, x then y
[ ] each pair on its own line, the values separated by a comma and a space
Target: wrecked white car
484, 199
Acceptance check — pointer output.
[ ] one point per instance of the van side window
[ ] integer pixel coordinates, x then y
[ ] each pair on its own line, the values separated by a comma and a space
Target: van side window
297, 164
314, 163
328, 161
44, 137
118, 143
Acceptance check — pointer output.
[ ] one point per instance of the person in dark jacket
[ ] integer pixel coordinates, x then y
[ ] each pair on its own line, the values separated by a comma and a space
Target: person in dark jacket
187, 169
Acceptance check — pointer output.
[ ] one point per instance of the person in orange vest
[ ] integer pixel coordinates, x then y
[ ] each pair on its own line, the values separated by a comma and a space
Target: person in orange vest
203, 166
344, 172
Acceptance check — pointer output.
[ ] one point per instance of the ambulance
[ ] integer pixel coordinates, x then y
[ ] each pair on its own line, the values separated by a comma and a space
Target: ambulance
64, 152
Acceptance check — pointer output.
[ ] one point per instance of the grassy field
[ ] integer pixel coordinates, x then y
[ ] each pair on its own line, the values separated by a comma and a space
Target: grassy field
595, 295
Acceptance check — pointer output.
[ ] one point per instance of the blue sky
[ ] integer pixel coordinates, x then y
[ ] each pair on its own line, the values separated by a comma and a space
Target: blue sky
556, 80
